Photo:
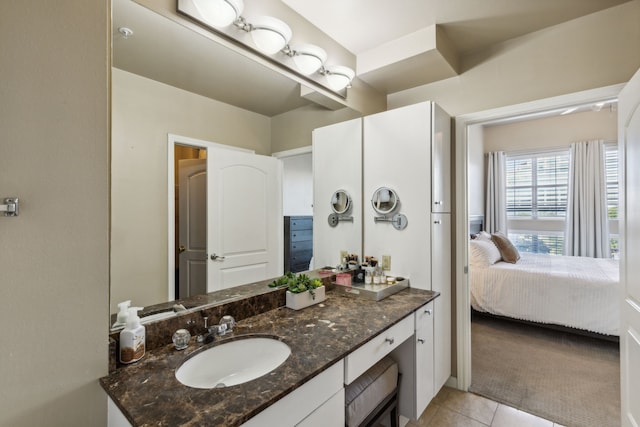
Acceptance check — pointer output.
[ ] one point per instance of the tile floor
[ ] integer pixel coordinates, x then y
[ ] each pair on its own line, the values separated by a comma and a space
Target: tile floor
455, 408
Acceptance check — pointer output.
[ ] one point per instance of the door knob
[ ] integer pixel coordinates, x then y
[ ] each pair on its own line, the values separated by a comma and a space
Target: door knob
181, 248
421, 341
215, 257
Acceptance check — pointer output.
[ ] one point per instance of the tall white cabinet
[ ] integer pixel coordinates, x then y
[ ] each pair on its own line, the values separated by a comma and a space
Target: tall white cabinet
337, 165
408, 150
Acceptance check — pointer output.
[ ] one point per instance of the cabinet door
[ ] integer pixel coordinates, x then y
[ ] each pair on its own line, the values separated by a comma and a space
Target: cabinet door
441, 282
441, 161
331, 413
424, 357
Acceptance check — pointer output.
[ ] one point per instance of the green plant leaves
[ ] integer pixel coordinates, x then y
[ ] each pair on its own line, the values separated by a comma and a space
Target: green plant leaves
296, 284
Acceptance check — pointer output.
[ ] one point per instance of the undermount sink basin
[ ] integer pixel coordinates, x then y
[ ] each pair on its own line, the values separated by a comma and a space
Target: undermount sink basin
233, 363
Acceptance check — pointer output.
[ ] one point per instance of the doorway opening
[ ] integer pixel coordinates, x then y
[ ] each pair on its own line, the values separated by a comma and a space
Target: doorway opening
469, 130
190, 219
467, 127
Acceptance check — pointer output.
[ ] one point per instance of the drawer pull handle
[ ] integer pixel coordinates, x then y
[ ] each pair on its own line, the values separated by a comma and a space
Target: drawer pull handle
389, 340
421, 340
428, 311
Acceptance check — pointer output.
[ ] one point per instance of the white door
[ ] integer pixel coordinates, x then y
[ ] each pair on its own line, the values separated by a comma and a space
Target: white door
192, 215
245, 227
629, 143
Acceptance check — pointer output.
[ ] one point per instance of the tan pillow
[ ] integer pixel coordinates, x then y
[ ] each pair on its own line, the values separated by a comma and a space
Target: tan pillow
507, 250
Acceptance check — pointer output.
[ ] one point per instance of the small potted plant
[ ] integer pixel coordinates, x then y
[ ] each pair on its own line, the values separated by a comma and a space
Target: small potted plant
302, 291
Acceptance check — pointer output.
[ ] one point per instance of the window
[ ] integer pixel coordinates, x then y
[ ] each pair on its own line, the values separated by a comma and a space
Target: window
537, 186
536, 189
611, 168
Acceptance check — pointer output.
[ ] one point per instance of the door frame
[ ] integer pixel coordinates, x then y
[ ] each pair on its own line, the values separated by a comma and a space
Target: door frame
462, 125
172, 141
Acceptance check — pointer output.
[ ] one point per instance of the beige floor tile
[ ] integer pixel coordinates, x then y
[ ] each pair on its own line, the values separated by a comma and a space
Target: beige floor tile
426, 416
470, 405
442, 395
445, 417
507, 416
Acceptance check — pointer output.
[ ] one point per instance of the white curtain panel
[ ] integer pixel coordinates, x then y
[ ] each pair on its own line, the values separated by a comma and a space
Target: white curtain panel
587, 232
496, 205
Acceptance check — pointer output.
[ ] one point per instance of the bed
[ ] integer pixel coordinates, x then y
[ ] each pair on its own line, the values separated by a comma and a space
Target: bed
575, 292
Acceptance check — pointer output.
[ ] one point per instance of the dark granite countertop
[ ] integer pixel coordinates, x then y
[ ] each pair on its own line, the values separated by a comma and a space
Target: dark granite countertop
148, 393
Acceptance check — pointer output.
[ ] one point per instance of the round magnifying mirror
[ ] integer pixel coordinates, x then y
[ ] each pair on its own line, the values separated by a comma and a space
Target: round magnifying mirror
341, 202
384, 201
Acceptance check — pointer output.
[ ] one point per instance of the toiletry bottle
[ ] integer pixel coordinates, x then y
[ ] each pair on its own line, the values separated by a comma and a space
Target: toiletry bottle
123, 314
132, 338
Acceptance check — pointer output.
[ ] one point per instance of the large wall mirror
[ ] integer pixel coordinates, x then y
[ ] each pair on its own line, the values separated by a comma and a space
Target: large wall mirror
169, 78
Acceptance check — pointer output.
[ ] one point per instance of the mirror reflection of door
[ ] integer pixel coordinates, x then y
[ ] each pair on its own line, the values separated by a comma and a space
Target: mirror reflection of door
245, 226
192, 227
227, 204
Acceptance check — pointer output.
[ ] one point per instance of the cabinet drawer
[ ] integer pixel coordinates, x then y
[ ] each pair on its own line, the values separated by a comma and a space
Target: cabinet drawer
301, 224
366, 356
300, 256
301, 235
305, 245
424, 316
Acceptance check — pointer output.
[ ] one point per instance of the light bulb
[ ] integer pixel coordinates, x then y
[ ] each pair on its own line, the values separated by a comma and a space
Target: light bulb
339, 77
219, 13
270, 35
309, 58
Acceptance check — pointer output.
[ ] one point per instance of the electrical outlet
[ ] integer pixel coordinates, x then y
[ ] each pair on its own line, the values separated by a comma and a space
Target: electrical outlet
386, 262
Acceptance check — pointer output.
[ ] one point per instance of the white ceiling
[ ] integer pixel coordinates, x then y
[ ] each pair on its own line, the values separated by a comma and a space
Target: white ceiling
360, 25
165, 51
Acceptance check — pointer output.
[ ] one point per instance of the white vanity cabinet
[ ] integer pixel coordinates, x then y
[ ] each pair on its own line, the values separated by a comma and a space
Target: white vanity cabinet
425, 390
308, 405
415, 359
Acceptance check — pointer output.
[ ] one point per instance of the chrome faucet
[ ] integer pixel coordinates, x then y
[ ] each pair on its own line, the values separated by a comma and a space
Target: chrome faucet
226, 324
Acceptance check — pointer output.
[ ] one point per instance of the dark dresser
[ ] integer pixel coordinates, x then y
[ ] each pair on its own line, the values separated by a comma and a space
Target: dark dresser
298, 243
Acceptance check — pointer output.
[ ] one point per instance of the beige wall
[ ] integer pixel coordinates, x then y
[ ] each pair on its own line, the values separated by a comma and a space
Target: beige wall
144, 112
293, 129
552, 132
594, 51
54, 257
475, 170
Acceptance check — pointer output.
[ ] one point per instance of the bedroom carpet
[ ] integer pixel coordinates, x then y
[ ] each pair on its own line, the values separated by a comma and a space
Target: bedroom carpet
565, 378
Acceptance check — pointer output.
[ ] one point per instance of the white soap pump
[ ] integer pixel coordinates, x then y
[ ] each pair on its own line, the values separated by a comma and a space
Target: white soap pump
132, 338
123, 314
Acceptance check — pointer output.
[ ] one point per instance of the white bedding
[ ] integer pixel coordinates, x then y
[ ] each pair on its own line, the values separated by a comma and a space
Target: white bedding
577, 292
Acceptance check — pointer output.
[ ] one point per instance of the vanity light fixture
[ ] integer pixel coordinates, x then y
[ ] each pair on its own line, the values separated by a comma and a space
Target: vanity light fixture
219, 13
270, 35
308, 58
338, 76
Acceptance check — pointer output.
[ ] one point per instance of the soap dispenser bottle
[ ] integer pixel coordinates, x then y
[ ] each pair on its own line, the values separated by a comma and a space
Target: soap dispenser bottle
132, 338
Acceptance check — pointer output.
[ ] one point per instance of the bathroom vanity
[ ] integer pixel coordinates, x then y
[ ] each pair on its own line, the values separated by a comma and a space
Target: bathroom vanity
331, 343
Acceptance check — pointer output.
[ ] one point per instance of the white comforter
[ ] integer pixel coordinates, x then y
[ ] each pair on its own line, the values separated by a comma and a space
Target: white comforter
578, 292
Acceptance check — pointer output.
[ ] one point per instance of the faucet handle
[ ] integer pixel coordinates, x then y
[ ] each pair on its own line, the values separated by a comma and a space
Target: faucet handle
228, 322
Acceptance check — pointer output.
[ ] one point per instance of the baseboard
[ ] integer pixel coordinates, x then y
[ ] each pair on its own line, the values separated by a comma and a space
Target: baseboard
452, 382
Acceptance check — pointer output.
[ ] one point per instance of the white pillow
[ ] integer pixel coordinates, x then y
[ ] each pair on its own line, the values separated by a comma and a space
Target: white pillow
483, 253
484, 236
